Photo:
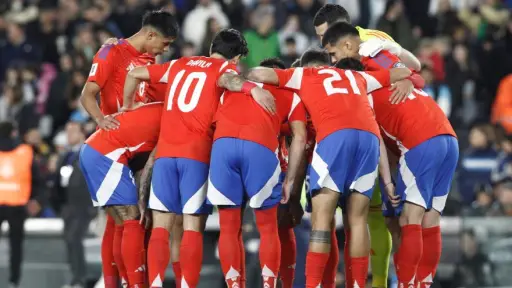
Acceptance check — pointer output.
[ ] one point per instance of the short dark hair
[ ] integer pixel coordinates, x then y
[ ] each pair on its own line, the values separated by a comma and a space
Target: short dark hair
350, 64
273, 63
6, 129
296, 63
330, 13
315, 56
337, 31
163, 21
229, 43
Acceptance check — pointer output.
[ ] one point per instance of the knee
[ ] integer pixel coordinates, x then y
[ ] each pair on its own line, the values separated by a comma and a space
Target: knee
412, 214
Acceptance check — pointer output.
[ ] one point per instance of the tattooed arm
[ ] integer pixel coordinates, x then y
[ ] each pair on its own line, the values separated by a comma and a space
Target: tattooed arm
145, 187
237, 83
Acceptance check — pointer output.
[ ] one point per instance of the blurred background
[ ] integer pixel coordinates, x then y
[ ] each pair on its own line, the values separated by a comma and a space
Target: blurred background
46, 48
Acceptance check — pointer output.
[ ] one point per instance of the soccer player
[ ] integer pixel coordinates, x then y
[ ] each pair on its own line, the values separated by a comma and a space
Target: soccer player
331, 13
381, 244
106, 77
104, 161
427, 164
346, 156
244, 161
180, 172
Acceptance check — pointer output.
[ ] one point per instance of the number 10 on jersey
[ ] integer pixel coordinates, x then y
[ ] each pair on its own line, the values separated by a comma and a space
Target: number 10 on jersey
199, 78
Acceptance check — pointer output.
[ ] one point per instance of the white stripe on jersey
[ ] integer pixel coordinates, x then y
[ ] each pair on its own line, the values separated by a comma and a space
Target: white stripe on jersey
296, 79
295, 102
372, 84
165, 78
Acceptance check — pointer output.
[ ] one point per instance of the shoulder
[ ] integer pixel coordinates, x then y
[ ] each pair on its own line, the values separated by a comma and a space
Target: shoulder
107, 52
366, 34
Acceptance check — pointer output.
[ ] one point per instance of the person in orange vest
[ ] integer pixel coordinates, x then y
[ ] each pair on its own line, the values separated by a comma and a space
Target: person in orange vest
20, 185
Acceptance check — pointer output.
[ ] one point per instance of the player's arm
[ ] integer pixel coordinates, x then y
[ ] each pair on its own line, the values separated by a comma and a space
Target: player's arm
296, 160
98, 77
144, 188
374, 46
385, 174
263, 75
133, 79
383, 78
409, 60
236, 83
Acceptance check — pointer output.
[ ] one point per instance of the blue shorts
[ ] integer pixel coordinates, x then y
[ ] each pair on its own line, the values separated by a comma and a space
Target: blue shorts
109, 182
241, 168
345, 161
179, 186
425, 174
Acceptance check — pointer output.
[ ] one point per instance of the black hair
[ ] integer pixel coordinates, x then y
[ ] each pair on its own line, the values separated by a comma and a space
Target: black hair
163, 21
330, 13
273, 63
6, 129
289, 40
229, 43
337, 31
350, 64
315, 56
296, 63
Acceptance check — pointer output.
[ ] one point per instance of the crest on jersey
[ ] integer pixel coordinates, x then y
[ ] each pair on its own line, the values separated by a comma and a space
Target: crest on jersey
399, 65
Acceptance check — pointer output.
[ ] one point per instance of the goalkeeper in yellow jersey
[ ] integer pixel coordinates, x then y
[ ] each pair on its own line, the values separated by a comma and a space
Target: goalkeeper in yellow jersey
379, 234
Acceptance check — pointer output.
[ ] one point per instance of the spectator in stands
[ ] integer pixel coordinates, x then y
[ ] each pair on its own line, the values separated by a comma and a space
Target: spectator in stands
483, 204
474, 269
502, 170
291, 29
395, 23
17, 48
20, 193
76, 209
195, 22
502, 106
476, 164
212, 28
262, 41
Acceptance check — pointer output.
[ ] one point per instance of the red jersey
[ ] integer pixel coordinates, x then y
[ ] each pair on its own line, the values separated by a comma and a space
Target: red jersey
241, 117
137, 133
410, 123
109, 68
191, 101
336, 99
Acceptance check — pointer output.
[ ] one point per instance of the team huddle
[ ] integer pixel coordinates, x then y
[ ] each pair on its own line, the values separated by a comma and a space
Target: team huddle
179, 139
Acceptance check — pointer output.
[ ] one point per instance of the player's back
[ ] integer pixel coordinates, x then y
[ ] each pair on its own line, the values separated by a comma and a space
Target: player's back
241, 117
110, 66
138, 132
416, 120
192, 100
334, 98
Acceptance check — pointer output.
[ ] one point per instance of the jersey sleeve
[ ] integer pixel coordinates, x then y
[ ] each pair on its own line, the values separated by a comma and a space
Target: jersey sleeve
376, 79
290, 78
383, 60
102, 66
159, 73
297, 110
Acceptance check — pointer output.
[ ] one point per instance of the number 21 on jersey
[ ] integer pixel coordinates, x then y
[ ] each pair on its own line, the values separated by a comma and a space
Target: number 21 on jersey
335, 76
192, 83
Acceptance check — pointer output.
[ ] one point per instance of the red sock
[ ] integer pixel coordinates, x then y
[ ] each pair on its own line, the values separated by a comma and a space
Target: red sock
331, 268
177, 273
270, 248
315, 266
346, 258
133, 252
230, 245
288, 256
242, 258
358, 271
191, 257
409, 254
159, 254
431, 255
118, 256
110, 274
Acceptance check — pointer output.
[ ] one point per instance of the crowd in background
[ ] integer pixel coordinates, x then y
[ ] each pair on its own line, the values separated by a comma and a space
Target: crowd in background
46, 47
